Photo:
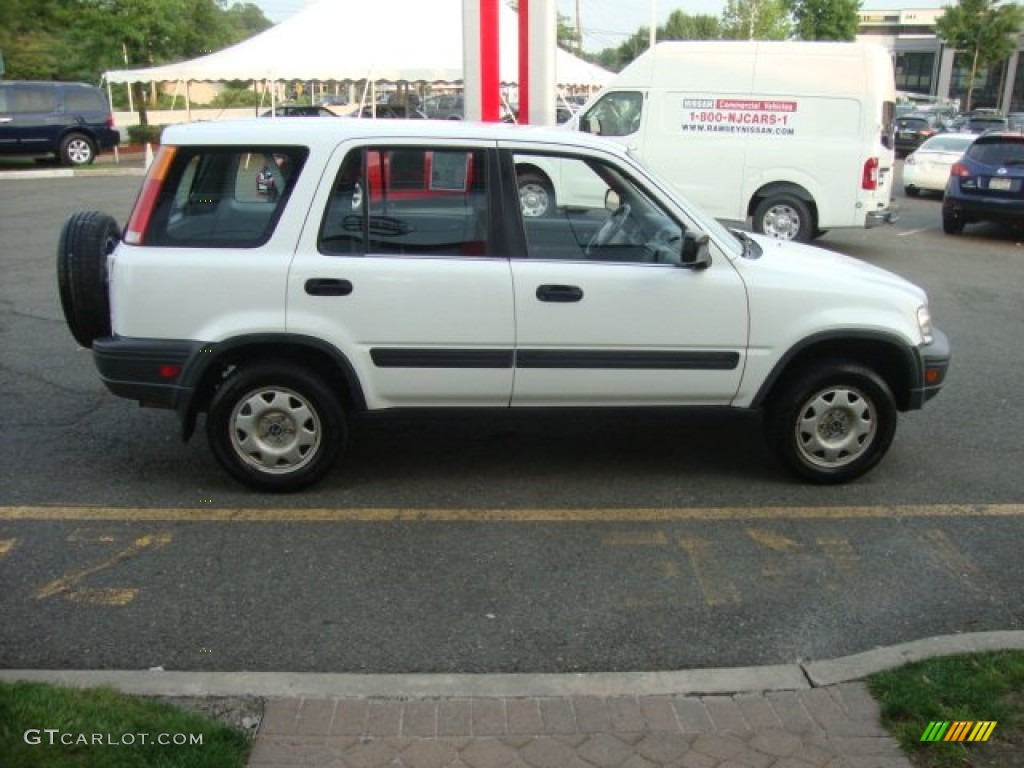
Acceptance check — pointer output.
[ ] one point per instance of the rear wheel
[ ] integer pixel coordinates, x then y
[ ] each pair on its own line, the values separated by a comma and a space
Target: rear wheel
276, 428
952, 224
912, 191
832, 423
77, 149
784, 217
86, 240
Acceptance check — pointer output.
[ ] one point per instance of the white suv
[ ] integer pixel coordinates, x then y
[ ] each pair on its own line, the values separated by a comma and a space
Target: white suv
279, 275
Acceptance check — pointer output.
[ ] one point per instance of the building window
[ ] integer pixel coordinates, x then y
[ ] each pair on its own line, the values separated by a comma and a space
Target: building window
988, 82
914, 72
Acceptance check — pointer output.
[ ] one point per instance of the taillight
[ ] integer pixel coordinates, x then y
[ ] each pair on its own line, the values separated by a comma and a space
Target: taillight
138, 222
869, 179
110, 121
959, 169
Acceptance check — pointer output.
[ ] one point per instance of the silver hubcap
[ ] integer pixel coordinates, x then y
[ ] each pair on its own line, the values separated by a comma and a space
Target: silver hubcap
782, 222
835, 427
533, 199
275, 430
79, 152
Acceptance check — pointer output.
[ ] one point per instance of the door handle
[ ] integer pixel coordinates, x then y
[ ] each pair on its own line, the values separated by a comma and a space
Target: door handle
328, 286
559, 293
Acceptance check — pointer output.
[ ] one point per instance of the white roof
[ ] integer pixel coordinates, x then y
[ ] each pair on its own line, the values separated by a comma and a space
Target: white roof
380, 40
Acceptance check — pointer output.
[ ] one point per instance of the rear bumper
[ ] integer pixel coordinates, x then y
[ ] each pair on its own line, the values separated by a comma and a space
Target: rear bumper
147, 370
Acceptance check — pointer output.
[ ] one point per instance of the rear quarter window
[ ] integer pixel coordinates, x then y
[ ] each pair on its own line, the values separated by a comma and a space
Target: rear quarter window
224, 197
82, 100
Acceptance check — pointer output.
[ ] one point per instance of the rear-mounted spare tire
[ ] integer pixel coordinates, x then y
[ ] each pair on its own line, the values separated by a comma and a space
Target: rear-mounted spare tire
86, 239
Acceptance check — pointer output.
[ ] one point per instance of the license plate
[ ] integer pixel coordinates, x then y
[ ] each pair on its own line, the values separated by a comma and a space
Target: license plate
906, 134
1000, 183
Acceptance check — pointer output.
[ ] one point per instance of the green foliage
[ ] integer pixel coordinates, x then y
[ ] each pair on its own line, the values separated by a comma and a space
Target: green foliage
26, 706
81, 39
145, 134
825, 19
235, 97
984, 29
755, 20
683, 26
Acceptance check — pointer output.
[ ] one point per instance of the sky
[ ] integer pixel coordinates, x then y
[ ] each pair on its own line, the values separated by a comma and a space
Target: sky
607, 23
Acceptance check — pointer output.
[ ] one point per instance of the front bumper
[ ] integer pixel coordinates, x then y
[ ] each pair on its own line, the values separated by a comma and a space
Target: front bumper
935, 358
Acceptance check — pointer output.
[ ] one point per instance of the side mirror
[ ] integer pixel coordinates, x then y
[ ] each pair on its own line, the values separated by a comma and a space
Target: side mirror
695, 252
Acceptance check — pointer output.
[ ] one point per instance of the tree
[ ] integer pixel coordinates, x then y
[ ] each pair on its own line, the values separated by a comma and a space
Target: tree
683, 26
984, 30
755, 20
825, 19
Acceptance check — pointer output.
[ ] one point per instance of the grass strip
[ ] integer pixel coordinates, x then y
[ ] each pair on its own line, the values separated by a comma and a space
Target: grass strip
48, 726
969, 687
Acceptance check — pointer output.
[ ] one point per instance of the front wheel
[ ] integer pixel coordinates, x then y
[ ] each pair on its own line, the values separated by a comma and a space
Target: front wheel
536, 195
832, 423
784, 217
276, 428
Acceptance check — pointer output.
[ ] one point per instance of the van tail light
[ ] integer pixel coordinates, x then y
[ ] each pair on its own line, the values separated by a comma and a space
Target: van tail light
110, 121
869, 178
959, 169
145, 203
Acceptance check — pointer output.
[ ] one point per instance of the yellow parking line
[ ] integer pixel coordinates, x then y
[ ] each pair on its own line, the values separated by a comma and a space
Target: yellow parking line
67, 582
550, 515
6, 545
714, 584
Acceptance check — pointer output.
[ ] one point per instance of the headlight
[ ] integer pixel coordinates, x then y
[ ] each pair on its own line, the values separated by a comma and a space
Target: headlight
924, 323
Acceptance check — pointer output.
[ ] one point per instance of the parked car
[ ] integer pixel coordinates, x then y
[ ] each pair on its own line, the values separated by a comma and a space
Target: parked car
445, 107
71, 121
299, 110
927, 168
987, 123
392, 269
914, 128
392, 112
987, 184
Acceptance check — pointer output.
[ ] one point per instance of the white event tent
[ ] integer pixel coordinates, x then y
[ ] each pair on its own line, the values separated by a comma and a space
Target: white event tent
376, 40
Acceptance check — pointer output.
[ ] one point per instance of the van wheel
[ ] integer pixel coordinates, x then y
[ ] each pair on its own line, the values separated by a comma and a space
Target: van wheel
86, 240
912, 191
784, 217
76, 149
536, 195
832, 422
276, 428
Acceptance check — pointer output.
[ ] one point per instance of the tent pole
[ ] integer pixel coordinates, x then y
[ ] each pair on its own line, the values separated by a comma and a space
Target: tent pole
188, 101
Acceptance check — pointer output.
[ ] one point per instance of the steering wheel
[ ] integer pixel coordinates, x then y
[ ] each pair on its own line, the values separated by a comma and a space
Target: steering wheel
610, 228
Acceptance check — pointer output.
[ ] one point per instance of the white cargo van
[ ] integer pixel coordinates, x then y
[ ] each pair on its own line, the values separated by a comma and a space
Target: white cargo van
794, 136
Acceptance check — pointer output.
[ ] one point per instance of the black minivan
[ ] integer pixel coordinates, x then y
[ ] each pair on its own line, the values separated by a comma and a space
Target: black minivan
72, 121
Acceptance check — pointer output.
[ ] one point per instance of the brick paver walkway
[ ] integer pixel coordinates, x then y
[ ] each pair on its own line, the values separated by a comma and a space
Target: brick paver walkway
831, 727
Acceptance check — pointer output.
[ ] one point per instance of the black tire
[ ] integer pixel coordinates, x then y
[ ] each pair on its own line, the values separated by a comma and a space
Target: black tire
831, 423
77, 149
536, 195
86, 239
951, 223
785, 217
276, 427
912, 191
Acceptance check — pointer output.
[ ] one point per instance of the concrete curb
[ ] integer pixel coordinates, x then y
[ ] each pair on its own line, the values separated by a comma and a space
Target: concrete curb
789, 677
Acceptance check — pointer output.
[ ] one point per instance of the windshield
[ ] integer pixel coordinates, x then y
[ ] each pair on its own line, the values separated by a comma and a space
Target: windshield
718, 232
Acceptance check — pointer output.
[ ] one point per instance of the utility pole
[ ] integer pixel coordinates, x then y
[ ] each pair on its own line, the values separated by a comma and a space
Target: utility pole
579, 30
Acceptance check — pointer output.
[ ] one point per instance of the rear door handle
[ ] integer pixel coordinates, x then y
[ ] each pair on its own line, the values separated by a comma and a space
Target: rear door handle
559, 293
328, 286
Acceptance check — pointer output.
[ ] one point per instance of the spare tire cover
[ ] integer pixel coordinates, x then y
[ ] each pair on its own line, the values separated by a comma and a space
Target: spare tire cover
86, 239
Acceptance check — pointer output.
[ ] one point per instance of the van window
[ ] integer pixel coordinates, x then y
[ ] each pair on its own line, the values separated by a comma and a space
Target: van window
84, 100
616, 114
29, 99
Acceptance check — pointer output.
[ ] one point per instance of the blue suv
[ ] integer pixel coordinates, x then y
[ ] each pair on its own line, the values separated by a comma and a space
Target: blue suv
987, 184
71, 121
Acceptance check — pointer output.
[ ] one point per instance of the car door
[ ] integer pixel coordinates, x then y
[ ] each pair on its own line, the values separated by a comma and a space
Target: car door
606, 315
398, 271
